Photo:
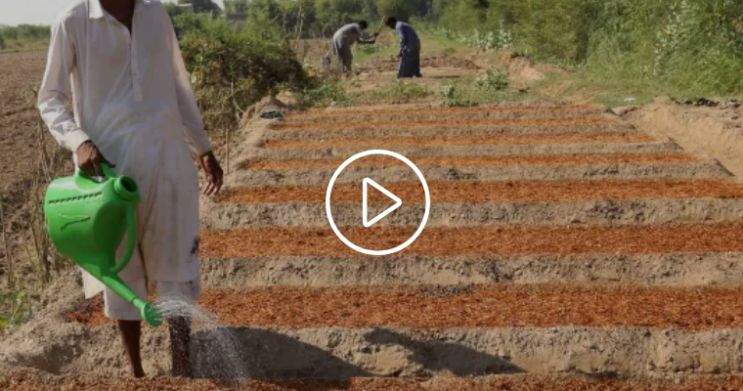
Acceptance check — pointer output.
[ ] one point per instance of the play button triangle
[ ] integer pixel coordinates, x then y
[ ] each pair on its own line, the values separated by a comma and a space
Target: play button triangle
368, 223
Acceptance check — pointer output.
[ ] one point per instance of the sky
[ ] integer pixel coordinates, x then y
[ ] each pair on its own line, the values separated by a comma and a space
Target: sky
14, 12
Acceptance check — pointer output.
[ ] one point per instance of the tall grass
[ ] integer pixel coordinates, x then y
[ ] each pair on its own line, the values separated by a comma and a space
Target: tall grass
694, 46
24, 37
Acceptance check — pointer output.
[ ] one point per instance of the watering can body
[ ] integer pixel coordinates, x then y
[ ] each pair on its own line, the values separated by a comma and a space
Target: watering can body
87, 220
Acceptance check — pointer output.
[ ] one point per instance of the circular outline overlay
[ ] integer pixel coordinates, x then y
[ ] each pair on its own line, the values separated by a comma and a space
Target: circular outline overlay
330, 190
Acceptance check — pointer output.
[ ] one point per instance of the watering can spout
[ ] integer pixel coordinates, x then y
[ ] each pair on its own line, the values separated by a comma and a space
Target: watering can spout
87, 221
148, 310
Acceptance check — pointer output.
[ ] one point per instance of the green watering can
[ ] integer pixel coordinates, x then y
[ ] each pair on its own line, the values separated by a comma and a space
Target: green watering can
87, 220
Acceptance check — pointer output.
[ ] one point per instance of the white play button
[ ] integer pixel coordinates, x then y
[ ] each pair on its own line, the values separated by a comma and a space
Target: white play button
398, 202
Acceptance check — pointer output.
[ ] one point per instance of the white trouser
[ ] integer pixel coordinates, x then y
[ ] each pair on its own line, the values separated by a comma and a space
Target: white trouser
117, 308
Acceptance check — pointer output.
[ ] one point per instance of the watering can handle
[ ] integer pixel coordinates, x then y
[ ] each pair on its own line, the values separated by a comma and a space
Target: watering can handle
107, 172
131, 241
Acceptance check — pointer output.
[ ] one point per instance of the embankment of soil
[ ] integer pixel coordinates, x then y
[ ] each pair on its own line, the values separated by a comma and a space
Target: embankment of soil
706, 131
475, 161
604, 212
443, 140
498, 191
682, 270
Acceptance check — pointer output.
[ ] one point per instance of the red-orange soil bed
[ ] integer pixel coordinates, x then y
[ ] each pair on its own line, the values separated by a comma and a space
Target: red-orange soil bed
489, 240
444, 141
505, 191
25, 381
438, 110
482, 161
485, 306
340, 126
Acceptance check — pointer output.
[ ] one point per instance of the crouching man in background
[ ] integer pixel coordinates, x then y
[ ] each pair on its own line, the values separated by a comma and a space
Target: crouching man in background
346, 37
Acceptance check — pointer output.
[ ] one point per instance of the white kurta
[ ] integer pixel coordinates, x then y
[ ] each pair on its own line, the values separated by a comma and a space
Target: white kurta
131, 97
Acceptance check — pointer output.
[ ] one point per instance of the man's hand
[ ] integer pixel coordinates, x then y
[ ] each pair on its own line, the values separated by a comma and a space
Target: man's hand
214, 174
89, 159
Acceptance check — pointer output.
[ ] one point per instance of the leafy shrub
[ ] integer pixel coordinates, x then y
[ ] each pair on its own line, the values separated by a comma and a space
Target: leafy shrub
15, 308
232, 69
494, 80
326, 93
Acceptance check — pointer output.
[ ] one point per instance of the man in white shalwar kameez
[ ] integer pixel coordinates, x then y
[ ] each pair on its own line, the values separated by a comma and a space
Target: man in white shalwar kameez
119, 63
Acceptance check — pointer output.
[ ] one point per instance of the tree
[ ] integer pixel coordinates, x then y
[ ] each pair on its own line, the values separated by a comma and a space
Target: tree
173, 10
203, 6
332, 14
403, 9
298, 16
236, 9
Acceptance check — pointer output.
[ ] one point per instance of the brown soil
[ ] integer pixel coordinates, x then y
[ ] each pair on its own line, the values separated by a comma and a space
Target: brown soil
492, 240
705, 131
427, 61
18, 116
30, 381
485, 306
336, 126
384, 112
443, 141
475, 161
511, 191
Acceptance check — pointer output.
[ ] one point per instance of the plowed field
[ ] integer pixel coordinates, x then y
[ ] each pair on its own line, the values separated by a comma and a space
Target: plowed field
564, 248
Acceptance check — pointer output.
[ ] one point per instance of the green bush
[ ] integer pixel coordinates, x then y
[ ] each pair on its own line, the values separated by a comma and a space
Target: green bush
15, 308
494, 80
692, 46
24, 36
232, 69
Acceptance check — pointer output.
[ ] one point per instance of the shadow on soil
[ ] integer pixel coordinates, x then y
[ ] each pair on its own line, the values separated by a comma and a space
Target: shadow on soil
275, 357
435, 357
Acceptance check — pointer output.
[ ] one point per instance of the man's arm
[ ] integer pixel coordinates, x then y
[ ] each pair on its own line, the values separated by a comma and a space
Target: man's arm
190, 114
56, 90
365, 38
191, 117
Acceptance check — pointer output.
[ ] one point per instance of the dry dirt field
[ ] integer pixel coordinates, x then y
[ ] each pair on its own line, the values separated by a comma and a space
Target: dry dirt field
23, 143
21, 73
566, 249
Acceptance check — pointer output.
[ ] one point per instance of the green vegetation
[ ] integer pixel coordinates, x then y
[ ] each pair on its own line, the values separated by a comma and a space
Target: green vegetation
680, 47
24, 37
233, 68
685, 47
15, 308
399, 92
330, 92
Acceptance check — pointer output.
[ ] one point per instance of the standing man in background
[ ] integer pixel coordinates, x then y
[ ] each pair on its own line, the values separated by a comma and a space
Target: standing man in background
347, 36
119, 63
410, 48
